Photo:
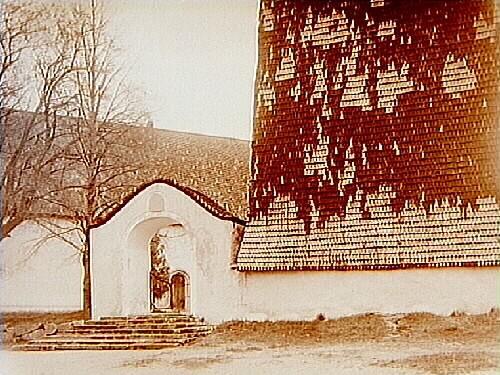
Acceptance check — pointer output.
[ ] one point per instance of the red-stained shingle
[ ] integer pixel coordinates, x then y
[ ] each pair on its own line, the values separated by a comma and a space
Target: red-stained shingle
375, 136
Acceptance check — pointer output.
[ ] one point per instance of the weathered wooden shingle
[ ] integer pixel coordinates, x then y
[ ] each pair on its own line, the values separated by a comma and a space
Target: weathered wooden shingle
215, 167
211, 170
375, 135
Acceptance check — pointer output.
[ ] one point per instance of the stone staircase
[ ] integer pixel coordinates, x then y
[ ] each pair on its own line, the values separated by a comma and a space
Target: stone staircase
155, 331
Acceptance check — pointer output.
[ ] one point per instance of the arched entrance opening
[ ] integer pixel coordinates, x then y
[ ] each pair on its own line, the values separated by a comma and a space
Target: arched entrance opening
137, 285
159, 285
168, 280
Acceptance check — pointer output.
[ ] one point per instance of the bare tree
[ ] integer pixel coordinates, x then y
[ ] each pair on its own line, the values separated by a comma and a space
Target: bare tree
98, 169
71, 156
29, 150
19, 22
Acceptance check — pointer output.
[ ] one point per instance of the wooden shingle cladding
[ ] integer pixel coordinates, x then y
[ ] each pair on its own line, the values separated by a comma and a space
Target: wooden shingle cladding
214, 167
213, 171
375, 135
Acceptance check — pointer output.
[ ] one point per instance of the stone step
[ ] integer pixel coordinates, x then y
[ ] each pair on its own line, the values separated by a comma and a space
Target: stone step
146, 317
139, 322
88, 325
110, 346
143, 320
152, 316
130, 336
128, 330
92, 341
97, 327
125, 333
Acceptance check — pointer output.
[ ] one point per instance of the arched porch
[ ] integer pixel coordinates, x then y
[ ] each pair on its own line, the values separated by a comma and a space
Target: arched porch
199, 253
137, 294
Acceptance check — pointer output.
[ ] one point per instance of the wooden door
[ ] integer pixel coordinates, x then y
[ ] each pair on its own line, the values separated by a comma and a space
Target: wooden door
178, 284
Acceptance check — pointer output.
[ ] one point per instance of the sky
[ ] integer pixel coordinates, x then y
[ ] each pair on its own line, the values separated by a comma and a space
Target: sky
194, 60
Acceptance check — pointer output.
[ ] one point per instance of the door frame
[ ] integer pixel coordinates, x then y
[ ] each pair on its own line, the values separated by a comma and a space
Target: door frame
187, 289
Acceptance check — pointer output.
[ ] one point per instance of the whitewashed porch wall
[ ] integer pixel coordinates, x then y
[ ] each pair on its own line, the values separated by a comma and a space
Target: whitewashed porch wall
121, 259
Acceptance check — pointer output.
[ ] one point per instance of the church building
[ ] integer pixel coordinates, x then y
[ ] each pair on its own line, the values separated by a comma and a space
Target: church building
371, 183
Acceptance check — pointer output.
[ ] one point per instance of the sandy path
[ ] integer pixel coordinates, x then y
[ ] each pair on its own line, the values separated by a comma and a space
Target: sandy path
342, 359
411, 344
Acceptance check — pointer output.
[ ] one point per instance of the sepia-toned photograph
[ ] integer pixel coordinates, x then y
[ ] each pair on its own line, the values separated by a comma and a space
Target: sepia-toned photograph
250, 187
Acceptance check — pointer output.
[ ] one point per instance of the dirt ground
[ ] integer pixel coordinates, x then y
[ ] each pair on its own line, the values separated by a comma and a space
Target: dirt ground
18, 327
366, 344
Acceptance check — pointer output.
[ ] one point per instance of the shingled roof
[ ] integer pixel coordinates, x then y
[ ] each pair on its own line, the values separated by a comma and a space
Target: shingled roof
216, 168
375, 136
211, 170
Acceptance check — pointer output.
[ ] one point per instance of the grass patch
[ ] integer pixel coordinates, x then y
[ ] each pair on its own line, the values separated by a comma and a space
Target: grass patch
459, 328
456, 328
368, 327
200, 362
141, 363
29, 318
16, 326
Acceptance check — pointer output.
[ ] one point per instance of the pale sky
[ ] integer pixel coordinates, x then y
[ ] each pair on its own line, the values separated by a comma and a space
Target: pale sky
195, 60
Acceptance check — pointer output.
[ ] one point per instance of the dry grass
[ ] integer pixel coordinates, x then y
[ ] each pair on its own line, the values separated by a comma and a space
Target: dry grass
141, 363
456, 328
359, 328
448, 363
425, 327
29, 318
200, 362
16, 327
484, 328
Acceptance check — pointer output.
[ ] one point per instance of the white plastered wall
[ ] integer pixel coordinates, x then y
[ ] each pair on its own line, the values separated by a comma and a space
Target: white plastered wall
121, 259
120, 268
38, 272
49, 279
303, 295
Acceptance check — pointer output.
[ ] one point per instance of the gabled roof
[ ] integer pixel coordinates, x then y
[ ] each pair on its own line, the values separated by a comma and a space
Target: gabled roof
214, 167
211, 170
203, 200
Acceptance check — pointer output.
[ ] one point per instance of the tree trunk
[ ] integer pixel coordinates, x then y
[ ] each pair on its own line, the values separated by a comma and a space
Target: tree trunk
9, 226
87, 288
